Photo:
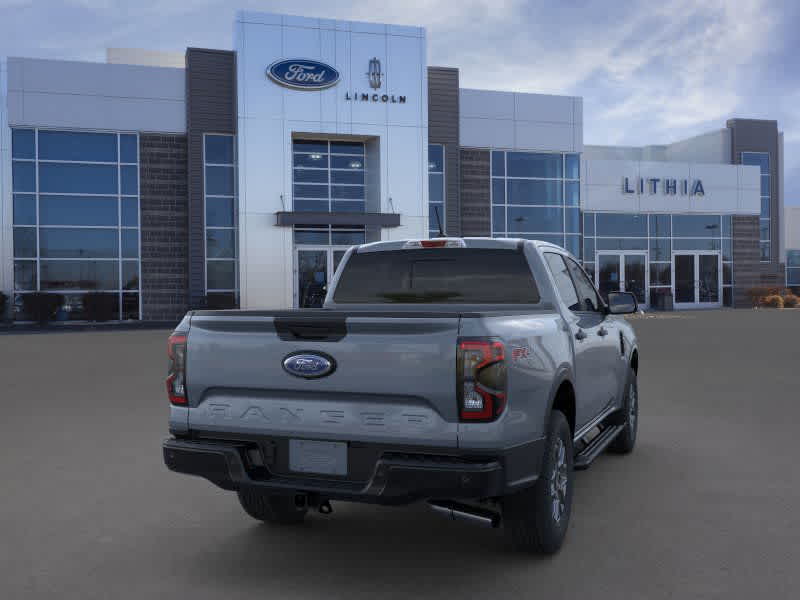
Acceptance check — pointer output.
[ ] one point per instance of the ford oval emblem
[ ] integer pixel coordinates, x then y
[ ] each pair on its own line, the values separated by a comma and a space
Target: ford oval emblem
303, 74
309, 365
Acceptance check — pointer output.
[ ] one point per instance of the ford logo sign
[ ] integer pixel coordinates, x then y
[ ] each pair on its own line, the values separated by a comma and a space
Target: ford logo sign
303, 74
309, 365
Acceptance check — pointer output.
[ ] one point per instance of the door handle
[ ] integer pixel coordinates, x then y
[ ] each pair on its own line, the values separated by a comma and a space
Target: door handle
580, 334
602, 332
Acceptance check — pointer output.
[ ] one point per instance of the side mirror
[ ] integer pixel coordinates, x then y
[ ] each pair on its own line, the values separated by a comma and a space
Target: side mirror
622, 303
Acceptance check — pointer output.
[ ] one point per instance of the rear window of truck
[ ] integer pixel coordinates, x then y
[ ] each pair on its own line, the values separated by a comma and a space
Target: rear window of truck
437, 276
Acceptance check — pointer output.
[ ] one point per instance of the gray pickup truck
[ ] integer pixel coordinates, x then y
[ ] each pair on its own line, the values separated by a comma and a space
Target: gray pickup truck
474, 374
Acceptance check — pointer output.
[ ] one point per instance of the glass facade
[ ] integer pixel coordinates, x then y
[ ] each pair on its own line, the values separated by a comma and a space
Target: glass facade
657, 236
221, 223
536, 195
761, 160
793, 268
436, 191
76, 219
328, 176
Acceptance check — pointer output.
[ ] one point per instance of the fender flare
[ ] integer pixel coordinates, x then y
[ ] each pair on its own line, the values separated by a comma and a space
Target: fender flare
563, 373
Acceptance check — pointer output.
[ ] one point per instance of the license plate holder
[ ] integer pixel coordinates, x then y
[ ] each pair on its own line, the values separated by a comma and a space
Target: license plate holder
321, 458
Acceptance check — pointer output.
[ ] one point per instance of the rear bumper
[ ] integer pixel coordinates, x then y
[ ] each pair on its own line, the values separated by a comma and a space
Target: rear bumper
396, 479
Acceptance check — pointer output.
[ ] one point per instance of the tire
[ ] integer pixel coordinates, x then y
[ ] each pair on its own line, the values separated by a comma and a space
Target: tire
536, 519
626, 439
271, 508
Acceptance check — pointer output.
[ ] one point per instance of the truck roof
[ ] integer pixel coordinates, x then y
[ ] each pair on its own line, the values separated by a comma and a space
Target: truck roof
470, 242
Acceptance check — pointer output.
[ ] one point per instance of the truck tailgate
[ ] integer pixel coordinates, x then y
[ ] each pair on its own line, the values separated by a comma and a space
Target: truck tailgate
394, 379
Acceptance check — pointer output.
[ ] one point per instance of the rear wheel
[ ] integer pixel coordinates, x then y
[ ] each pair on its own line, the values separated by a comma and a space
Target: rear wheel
536, 519
626, 439
271, 508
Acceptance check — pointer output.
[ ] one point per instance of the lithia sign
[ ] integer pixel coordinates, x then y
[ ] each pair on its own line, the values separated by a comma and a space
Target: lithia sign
306, 74
667, 186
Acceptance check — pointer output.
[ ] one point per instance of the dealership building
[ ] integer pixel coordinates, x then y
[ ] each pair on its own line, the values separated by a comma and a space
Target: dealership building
239, 178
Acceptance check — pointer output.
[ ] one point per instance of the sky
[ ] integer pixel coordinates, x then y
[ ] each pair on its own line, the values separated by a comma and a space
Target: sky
649, 72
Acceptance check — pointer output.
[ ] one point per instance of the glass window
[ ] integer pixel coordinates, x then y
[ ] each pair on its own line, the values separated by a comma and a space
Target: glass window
24, 209
572, 243
219, 149
763, 228
220, 243
765, 191
219, 212
530, 164
562, 279
128, 148
436, 275
23, 143
23, 176
435, 158
57, 242
727, 273
498, 218
347, 148
130, 243
312, 175
342, 162
533, 219
660, 226
529, 191
727, 225
219, 181
130, 212
695, 244
436, 183
727, 297
765, 207
77, 210
347, 206
221, 274
79, 275
357, 177
660, 274
572, 220
621, 225
793, 258
588, 300
129, 176
573, 166
572, 191
312, 146
660, 249
696, 225
25, 275
130, 275
765, 250
130, 306
318, 161
78, 146
320, 237
347, 192
621, 243
759, 159
588, 224
347, 238
67, 178
498, 163
311, 205
588, 249
498, 191
25, 242
311, 191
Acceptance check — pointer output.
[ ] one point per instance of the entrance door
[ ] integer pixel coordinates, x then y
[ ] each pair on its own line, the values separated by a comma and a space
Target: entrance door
314, 268
697, 279
622, 272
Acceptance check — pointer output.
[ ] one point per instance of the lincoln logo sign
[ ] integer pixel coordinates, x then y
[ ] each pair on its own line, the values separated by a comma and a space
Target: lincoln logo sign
302, 74
667, 186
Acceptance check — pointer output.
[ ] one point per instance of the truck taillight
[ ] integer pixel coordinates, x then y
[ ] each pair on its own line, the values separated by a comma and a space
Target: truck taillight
481, 372
176, 375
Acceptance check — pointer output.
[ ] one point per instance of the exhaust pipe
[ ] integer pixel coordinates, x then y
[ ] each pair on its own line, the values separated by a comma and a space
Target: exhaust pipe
464, 512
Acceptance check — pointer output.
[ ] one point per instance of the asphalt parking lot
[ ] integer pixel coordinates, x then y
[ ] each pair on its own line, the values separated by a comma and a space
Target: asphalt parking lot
706, 506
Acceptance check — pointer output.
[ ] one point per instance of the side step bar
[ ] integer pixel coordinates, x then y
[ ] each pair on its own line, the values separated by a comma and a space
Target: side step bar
592, 450
464, 512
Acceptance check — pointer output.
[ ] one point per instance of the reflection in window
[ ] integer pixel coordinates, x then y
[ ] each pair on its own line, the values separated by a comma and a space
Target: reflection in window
536, 195
219, 155
76, 228
436, 193
328, 176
